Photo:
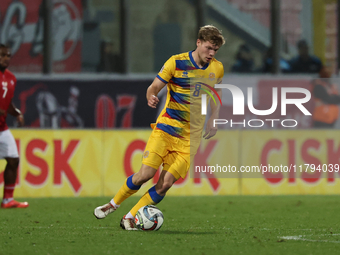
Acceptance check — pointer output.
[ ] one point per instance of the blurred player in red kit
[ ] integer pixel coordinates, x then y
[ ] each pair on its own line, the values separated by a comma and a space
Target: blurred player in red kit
8, 148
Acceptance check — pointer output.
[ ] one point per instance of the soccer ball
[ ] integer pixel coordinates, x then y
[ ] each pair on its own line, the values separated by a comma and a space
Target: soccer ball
149, 218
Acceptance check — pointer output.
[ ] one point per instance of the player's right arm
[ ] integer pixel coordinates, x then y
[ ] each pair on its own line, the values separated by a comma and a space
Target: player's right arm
163, 77
152, 92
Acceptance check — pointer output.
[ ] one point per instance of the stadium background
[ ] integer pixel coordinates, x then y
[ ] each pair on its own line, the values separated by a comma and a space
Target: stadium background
85, 110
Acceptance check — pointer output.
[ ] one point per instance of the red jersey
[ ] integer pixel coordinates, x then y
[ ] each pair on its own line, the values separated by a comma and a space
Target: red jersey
7, 87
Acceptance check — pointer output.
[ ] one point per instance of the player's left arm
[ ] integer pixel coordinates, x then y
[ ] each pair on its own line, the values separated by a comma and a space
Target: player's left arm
210, 130
12, 110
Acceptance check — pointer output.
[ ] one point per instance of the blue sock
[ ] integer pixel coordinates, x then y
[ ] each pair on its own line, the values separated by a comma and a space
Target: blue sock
154, 195
130, 184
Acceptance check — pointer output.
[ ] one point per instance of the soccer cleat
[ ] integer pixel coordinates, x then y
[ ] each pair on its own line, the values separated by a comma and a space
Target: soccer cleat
128, 224
102, 211
14, 204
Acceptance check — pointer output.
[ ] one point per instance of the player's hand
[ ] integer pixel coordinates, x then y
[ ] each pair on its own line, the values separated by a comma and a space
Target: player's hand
2, 112
210, 130
153, 101
20, 120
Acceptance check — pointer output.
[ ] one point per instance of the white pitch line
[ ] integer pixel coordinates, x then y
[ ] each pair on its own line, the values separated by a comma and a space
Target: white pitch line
336, 234
274, 229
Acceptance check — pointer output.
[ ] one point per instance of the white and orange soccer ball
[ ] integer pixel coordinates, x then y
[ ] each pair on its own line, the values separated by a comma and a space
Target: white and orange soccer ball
148, 218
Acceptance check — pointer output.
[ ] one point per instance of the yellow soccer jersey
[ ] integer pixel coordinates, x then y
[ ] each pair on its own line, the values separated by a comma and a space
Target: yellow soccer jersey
186, 82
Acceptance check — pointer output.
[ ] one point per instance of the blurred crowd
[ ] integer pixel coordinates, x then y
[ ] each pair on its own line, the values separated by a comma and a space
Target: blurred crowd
304, 62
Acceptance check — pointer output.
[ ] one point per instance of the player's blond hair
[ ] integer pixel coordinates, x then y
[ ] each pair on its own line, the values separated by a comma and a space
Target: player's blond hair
210, 33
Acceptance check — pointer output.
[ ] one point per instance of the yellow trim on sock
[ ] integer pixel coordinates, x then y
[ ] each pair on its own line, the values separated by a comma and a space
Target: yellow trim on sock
123, 193
145, 200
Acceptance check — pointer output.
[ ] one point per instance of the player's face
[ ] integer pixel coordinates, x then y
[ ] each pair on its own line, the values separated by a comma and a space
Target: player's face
5, 57
206, 50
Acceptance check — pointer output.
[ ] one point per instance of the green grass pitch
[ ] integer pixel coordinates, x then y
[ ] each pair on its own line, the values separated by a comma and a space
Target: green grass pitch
193, 225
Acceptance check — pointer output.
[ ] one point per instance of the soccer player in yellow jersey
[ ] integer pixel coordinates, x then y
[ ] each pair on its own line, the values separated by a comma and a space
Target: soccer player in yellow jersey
175, 136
